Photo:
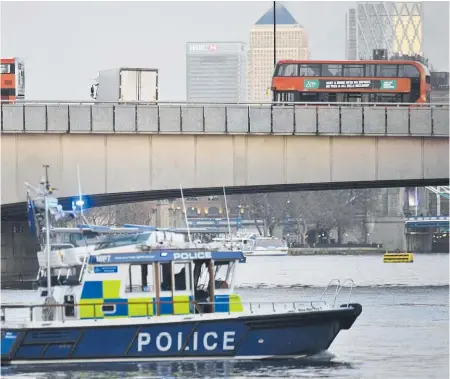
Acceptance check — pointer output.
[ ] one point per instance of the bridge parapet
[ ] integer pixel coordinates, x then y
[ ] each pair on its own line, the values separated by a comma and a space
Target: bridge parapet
192, 118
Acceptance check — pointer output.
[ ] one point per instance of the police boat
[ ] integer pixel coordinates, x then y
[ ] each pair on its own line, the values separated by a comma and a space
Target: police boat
148, 296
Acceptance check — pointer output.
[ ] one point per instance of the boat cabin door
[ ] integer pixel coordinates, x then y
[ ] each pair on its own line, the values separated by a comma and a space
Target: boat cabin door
212, 280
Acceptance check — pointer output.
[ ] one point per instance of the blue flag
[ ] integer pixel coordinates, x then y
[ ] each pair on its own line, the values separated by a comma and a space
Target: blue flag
31, 215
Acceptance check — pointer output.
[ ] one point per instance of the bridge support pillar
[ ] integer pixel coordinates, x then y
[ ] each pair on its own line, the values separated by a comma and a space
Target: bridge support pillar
389, 227
390, 231
18, 251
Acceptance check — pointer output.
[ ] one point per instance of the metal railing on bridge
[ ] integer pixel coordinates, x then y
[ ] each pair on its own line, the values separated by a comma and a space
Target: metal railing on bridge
219, 118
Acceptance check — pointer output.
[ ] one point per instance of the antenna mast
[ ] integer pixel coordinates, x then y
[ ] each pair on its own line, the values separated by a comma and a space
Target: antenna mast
185, 214
47, 191
228, 217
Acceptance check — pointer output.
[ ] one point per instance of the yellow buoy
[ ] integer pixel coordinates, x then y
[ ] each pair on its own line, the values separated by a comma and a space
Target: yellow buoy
398, 257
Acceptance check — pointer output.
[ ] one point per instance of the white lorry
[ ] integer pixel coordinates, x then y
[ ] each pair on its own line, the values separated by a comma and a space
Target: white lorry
126, 85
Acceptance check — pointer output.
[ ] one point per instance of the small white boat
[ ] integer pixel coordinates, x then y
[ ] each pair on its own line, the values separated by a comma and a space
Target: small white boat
252, 245
266, 247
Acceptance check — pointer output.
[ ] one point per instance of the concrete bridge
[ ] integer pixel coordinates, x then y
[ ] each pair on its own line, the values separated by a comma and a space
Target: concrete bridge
261, 146
132, 152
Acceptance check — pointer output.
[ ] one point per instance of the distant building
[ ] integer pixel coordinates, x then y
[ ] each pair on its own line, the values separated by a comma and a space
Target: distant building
216, 71
291, 43
440, 87
394, 26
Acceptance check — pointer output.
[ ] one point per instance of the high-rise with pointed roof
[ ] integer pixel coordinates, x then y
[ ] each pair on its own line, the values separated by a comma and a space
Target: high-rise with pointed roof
291, 43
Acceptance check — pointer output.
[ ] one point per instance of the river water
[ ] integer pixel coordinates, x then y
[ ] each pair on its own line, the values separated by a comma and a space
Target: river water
403, 332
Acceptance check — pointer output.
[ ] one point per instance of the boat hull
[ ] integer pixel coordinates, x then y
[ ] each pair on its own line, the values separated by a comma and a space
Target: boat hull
279, 335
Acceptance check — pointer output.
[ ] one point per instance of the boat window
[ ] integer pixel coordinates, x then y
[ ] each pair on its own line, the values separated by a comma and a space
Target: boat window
223, 274
141, 278
165, 276
109, 308
69, 309
182, 276
201, 275
129, 239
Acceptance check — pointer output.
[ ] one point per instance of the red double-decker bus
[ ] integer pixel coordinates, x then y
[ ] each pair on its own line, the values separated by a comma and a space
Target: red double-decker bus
12, 80
381, 81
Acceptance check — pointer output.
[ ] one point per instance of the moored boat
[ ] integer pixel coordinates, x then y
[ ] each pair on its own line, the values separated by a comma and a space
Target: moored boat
266, 247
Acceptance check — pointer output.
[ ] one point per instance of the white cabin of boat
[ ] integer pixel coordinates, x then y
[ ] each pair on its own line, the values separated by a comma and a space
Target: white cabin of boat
139, 275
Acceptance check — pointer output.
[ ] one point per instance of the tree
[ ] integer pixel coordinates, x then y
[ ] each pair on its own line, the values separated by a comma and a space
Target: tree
105, 216
134, 213
143, 213
269, 207
341, 209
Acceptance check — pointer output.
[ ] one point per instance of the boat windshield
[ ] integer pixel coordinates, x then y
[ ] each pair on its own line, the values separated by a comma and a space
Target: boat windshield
275, 242
123, 240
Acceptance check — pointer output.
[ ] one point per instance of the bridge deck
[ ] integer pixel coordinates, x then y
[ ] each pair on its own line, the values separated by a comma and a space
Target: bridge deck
190, 118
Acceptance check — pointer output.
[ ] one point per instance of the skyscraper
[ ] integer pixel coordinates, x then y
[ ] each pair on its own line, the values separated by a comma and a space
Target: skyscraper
394, 26
215, 71
291, 43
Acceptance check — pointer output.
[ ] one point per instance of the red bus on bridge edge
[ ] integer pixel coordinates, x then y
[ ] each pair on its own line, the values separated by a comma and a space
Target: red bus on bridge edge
375, 81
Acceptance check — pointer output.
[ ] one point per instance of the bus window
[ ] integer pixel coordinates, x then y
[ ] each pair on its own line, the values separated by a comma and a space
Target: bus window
285, 97
331, 70
387, 71
389, 98
353, 70
408, 71
6, 68
370, 70
288, 70
308, 97
310, 70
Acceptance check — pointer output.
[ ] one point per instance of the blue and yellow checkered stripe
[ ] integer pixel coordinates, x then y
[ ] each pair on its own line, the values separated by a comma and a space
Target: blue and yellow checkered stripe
95, 294
228, 303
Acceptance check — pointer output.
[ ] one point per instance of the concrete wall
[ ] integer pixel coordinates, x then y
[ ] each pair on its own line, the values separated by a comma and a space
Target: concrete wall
331, 118
112, 163
18, 252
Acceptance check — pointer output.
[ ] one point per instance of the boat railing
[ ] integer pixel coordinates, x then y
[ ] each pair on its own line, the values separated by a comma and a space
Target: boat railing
336, 283
198, 308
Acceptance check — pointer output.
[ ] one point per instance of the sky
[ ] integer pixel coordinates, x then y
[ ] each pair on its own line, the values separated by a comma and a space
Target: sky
65, 44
